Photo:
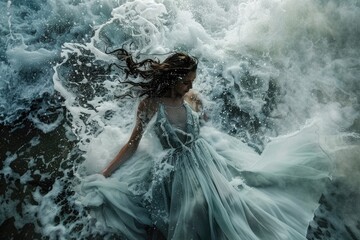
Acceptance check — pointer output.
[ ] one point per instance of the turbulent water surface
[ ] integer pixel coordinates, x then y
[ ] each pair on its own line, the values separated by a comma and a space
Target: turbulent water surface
266, 67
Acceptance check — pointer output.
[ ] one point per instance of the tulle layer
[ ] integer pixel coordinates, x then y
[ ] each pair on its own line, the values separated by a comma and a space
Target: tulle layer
217, 188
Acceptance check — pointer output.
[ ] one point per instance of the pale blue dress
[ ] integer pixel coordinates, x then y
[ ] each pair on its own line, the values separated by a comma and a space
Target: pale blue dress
211, 186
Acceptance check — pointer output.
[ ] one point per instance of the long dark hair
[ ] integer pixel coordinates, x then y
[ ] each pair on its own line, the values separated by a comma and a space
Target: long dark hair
157, 77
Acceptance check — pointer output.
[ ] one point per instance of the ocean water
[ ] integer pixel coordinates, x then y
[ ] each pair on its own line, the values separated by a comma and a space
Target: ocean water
266, 68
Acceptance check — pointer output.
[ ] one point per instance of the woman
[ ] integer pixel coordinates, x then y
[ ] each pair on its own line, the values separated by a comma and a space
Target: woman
193, 190
169, 86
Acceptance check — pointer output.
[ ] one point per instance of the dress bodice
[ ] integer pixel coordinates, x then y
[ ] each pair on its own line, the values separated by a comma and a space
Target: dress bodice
173, 137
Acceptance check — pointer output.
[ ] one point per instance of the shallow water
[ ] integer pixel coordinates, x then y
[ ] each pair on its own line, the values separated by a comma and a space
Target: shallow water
266, 68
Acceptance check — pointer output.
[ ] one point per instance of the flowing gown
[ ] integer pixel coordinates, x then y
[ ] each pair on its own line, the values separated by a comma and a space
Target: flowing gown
212, 186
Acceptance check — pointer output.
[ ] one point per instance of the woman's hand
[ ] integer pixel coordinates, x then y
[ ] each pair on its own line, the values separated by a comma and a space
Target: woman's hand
105, 173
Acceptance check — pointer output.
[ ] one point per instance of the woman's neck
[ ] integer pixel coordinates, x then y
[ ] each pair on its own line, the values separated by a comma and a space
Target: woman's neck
176, 99
172, 101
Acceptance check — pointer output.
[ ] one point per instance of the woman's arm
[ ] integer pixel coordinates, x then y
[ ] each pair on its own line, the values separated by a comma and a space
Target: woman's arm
145, 112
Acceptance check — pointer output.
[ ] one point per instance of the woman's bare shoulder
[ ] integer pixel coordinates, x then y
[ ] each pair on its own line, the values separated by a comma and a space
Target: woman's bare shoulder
148, 106
193, 99
191, 94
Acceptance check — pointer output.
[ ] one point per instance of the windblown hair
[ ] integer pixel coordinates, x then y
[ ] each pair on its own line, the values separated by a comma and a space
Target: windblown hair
158, 77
